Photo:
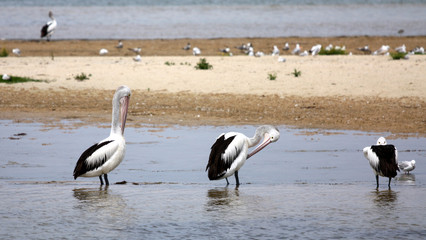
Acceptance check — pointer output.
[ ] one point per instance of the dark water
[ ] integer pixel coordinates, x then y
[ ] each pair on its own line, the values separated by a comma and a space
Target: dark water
310, 184
149, 19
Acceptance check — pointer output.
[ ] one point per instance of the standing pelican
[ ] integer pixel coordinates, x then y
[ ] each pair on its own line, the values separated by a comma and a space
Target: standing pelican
105, 156
407, 166
383, 159
48, 29
230, 151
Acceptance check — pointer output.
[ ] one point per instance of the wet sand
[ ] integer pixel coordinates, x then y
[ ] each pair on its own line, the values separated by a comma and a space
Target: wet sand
378, 94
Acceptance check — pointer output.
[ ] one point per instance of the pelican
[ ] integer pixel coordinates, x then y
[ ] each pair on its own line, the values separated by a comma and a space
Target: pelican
196, 51
296, 50
48, 29
407, 166
383, 159
105, 156
230, 151
275, 51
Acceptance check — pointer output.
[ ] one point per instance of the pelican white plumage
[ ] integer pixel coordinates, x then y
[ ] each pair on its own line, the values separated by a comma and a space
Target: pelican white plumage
275, 51
383, 158
407, 166
48, 29
315, 49
196, 51
296, 49
105, 156
230, 151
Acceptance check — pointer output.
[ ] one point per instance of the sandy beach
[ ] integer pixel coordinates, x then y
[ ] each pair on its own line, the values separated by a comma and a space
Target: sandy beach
359, 92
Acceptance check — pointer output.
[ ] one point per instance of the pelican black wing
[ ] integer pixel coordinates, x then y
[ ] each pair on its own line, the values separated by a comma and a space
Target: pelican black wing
82, 166
44, 30
387, 159
217, 166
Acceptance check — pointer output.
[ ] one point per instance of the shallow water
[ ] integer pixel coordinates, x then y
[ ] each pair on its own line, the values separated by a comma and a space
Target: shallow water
134, 19
310, 184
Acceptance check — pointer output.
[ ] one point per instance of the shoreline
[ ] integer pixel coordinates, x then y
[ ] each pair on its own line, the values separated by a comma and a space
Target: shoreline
366, 93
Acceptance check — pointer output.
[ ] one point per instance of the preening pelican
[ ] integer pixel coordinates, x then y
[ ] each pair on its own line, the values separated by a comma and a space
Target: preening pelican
105, 156
48, 29
230, 151
407, 166
383, 159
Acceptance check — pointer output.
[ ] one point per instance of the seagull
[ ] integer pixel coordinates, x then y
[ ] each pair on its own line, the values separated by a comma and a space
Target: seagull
137, 58
275, 51
259, 54
225, 50
103, 157
187, 47
281, 59
5, 77
296, 50
365, 49
382, 50
304, 53
48, 29
329, 47
16, 51
407, 166
103, 51
119, 44
135, 50
383, 158
250, 51
401, 49
286, 47
196, 51
315, 49
418, 50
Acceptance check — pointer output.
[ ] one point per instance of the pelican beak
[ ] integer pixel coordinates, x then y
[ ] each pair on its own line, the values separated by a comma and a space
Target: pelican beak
124, 108
266, 141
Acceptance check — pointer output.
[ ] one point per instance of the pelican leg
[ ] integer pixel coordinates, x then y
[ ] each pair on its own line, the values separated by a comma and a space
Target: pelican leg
227, 182
100, 178
106, 179
389, 183
377, 181
236, 178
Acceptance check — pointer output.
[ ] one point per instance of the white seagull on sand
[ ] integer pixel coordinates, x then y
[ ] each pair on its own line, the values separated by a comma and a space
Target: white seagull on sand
196, 51
5, 77
103, 51
137, 58
275, 51
296, 50
407, 166
315, 49
48, 29
382, 50
16, 51
383, 158
187, 47
286, 47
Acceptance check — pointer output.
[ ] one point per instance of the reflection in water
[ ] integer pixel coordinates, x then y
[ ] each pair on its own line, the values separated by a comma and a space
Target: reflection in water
407, 179
385, 198
218, 197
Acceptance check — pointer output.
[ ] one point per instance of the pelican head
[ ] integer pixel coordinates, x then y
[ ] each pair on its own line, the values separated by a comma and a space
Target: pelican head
381, 141
122, 97
270, 134
51, 14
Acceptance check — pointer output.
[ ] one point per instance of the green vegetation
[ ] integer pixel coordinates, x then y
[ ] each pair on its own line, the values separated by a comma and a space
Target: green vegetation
15, 79
332, 51
203, 65
272, 76
169, 63
4, 53
397, 55
185, 63
82, 77
296, 73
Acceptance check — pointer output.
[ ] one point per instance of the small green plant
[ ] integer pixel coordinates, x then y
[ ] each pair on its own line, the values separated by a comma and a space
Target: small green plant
4, 53
397, 55
16, 79
272, 76
185, 63
82, 77
332, 51
296, 73
203, 64
169, 63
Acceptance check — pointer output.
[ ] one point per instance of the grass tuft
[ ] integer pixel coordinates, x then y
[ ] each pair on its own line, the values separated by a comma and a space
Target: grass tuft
82, 77
296, 73
272, 76
332, 51
4, 53
16, 79
397, 55
203, 65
